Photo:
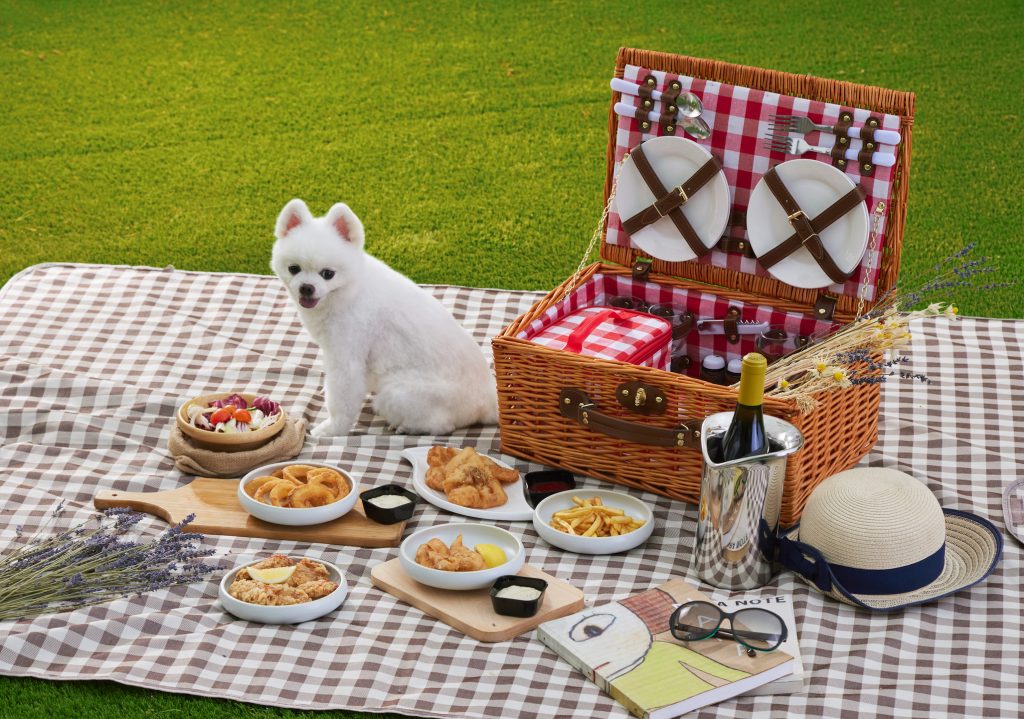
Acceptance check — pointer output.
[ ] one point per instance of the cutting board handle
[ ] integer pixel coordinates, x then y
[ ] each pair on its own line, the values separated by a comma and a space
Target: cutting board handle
139, 501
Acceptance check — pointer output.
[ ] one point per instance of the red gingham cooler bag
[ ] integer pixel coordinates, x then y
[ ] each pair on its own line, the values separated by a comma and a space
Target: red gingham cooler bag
612, 334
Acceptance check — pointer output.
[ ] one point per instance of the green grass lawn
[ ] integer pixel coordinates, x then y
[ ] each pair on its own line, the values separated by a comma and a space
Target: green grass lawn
469, 137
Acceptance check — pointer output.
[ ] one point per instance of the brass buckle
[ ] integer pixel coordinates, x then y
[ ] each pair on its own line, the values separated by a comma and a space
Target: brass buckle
682, 194
800, 214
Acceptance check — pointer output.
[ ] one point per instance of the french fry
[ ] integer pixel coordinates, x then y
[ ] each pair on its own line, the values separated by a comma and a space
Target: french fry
591, 518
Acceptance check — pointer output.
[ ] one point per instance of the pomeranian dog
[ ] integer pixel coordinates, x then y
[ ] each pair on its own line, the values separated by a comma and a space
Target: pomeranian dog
378, 331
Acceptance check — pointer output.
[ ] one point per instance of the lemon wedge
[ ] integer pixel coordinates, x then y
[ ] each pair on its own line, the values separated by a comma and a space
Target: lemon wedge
275, 575
493, 555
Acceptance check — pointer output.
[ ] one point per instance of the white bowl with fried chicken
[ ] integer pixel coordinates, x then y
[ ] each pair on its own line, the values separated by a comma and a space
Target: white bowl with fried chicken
453, 546
259, 496
299, 589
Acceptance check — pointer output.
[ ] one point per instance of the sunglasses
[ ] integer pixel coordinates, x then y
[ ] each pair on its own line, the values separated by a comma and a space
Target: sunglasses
756, 629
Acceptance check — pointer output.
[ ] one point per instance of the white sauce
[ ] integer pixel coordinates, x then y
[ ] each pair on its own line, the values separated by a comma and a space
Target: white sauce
518, 591
388, 501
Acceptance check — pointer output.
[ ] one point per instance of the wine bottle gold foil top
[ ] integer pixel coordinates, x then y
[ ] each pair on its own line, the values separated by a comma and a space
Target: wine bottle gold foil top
755, 366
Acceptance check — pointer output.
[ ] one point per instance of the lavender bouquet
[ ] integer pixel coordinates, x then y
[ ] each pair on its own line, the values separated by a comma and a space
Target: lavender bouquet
94, 562
868, 350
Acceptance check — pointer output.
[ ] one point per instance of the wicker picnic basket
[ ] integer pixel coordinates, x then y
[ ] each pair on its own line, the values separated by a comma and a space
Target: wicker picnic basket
586, 414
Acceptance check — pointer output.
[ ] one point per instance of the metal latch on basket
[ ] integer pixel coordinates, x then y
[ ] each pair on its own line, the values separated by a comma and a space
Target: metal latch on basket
641, 398
576, 405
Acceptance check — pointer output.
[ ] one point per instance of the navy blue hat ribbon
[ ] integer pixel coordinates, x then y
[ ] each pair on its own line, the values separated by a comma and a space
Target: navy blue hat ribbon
897, 580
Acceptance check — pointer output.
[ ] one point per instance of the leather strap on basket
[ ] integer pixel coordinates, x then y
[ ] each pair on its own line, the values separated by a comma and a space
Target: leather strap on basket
806, 229
841, 130
668, 107
576, 405
670, 202
643, 112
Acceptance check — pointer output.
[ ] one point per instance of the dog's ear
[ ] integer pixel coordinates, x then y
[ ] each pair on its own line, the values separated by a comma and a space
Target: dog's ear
294, 214
346, 224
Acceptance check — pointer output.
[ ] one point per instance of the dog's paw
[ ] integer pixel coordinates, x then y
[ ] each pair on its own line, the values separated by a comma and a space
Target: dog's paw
323, 429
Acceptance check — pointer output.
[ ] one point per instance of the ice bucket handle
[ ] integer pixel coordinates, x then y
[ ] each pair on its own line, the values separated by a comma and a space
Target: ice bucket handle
574, 404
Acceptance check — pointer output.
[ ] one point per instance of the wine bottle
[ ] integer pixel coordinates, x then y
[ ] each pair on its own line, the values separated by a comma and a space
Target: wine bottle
746, 436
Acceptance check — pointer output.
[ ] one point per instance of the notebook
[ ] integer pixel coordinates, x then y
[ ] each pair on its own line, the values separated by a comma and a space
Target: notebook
627, 650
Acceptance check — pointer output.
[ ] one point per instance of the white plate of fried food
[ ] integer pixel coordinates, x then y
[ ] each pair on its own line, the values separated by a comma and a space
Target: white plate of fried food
593, 521
461, 556
283, 590
298, 494
465, 482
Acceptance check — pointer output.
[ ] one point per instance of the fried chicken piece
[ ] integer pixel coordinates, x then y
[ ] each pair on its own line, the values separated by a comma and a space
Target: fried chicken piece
468, 481
437, 458
272, 595
271, 562
435, 554
308, 571
318, 588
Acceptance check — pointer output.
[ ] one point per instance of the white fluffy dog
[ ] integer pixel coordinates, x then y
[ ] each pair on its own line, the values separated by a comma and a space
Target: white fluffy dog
378, 331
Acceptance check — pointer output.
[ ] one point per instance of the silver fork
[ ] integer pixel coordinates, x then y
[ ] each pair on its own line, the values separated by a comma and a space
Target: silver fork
781, 124
798, 146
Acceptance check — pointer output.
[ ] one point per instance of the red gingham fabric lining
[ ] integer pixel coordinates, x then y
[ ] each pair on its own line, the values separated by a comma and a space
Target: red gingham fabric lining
630, 341
739, 119
601, 289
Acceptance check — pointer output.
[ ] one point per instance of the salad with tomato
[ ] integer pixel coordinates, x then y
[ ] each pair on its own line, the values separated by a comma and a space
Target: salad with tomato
234, 414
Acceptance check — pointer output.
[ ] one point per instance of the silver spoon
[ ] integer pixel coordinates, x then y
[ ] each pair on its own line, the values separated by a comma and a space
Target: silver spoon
690, 110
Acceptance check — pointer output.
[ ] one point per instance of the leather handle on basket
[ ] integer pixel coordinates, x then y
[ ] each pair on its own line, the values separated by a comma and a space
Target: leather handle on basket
574, 404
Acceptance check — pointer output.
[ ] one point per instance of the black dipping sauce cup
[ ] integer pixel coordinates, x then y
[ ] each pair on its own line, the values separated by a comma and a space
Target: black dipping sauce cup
517, 607
538, 486
388, 515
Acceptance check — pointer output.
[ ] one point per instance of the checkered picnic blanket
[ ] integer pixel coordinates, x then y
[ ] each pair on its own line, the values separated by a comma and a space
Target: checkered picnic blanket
95, 359
739, 118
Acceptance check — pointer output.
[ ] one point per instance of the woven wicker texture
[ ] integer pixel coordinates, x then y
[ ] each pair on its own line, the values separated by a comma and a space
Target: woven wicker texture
841, 429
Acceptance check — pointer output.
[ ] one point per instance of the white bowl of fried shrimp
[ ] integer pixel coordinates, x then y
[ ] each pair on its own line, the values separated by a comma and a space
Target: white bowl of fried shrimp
562, 521
453, 546
312, 589
298, 493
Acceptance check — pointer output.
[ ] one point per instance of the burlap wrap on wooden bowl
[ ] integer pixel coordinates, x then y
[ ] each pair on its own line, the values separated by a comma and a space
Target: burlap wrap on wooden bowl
192, 459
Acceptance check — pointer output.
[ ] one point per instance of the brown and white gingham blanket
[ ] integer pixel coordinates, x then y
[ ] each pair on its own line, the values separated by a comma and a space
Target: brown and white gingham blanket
95, 359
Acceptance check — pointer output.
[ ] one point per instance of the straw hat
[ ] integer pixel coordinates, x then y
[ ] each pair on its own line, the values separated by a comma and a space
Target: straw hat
877, 538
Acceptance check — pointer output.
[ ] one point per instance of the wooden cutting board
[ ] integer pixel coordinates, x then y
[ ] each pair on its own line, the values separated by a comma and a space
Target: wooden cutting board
471, 611
215, 504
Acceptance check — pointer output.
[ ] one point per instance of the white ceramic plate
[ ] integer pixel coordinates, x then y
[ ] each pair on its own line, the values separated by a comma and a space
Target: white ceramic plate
814, 185
674, 160
593, 545
472, 535
288, 614
516, 509
295, 517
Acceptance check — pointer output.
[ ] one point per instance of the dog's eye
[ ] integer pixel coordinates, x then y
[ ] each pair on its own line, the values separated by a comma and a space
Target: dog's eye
294, 269
327, 274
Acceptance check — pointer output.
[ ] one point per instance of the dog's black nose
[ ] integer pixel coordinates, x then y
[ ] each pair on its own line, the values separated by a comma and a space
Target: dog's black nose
306, 290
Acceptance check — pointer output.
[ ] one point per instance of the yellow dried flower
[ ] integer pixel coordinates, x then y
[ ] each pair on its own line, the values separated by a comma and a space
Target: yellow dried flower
951, 311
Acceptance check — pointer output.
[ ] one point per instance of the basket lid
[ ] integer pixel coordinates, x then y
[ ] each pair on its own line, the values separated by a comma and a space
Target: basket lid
738, 104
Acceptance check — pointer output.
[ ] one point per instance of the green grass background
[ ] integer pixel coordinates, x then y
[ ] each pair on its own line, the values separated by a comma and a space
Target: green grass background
469, 137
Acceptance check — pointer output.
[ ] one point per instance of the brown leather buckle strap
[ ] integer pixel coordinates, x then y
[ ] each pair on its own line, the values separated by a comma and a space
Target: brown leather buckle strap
807, 230
670, 201
574, 404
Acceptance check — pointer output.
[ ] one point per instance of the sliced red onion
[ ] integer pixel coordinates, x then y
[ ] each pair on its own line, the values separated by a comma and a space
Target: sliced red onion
237, 400
266, 406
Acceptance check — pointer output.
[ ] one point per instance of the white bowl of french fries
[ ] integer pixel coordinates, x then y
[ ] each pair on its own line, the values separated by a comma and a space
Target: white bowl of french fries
593, 521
